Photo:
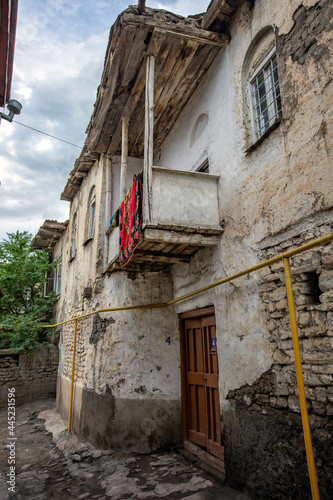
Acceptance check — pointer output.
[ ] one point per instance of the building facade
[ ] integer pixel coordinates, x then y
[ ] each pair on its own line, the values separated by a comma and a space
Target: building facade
229, 116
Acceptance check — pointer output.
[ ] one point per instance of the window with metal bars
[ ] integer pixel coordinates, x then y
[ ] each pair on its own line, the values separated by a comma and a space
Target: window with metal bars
265, 95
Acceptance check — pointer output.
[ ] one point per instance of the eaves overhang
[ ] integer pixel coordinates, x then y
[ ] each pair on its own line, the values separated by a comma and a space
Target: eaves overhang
183, 53
48, 234
183, 48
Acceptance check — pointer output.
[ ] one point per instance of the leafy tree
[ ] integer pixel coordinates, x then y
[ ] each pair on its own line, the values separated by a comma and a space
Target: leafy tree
23, 307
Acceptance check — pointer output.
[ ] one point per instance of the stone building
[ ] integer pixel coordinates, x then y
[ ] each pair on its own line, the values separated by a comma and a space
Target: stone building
229, 116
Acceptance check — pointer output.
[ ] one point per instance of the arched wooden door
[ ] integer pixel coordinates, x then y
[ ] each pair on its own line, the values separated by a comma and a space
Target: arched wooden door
200, 381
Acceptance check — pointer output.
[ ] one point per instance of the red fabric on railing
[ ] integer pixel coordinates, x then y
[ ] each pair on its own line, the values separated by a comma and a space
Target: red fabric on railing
130, 221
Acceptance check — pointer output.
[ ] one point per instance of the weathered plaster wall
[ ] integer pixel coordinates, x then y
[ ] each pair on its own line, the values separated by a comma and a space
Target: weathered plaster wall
123, 363
277, 196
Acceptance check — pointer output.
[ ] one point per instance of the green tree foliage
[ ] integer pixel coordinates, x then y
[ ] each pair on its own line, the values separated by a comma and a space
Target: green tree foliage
23, 307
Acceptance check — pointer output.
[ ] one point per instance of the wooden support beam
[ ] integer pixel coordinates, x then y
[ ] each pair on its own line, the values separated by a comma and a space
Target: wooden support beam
219, 40
155, 259
149, 139
124, 158
159, 235
80, 174
160, 256
48, 224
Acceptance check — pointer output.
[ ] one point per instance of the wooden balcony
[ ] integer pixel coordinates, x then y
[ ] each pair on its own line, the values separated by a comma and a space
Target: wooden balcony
184, 217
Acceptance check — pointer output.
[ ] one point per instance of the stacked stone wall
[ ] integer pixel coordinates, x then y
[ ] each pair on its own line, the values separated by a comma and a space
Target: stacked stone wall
32, 377
268, 411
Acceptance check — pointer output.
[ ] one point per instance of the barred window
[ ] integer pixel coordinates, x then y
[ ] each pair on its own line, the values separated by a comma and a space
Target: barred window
265, 95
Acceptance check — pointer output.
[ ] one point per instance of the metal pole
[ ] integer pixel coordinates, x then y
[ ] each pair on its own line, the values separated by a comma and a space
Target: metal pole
124, 158
72, 381
300, 382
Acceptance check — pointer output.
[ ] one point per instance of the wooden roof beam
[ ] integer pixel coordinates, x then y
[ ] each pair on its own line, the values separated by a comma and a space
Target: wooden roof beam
138, 87
219, 8
200, 36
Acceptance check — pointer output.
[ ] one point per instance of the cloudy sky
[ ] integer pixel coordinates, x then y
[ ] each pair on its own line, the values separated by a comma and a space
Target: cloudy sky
59, 54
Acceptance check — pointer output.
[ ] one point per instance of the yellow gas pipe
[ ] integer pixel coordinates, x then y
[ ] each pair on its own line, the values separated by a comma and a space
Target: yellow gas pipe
72, 381
300, 382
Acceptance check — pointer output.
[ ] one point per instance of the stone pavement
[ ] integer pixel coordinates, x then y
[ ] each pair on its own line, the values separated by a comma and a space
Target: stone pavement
59, 466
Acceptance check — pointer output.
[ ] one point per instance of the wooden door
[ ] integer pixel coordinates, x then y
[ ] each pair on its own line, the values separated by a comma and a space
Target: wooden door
201, 384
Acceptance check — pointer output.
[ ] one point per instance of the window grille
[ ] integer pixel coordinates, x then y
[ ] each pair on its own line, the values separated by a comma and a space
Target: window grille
265, 95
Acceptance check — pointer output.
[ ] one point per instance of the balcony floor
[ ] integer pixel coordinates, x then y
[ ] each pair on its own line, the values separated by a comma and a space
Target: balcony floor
162, 247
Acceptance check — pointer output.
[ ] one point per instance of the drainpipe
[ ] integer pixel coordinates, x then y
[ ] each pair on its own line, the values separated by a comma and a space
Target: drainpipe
141, 5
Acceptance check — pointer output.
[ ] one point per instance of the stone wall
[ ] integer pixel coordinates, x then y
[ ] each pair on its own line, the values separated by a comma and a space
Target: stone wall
33, 378
267, 412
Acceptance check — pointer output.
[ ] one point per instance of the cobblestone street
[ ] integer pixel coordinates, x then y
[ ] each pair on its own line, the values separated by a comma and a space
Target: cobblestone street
52, 465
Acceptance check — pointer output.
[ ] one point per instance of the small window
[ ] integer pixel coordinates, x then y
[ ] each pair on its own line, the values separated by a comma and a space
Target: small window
57, 281
73, 239
265, 99
91, 213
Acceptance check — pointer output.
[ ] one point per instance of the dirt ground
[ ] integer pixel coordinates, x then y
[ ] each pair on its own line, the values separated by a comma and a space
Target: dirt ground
52, 465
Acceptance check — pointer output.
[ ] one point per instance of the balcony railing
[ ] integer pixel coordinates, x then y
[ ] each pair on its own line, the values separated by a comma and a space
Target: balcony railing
184, 217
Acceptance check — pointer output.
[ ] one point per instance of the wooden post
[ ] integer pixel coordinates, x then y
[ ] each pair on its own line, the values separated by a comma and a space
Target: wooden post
72, 380
149, 139
124, 158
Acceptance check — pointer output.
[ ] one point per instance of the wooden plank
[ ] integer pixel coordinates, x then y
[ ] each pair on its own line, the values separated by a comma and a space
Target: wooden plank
183, 61
183, 228
204, 457
146, 257
158, 247
180, 249
124, 158
80, 174
180, 29
219, 40
197, 437
149, 139
217, 9
179, 238
168, 111
136, 92
165, 62
50, 224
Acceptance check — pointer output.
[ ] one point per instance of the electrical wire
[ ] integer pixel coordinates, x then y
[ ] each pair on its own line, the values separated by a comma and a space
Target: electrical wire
49, 135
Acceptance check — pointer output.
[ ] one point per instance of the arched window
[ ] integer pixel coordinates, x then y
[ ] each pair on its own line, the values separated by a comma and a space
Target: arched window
91, 212
261, 87
265, 98
73, 237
